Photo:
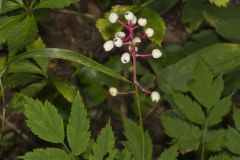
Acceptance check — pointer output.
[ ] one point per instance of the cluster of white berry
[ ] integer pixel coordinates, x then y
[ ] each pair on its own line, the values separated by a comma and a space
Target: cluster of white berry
131, 41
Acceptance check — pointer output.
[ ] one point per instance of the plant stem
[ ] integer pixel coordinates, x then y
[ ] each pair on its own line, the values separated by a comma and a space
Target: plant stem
205, 129
4, 109
133, 53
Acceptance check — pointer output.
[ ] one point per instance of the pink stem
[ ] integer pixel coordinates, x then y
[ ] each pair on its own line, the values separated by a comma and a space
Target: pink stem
125, 93
144, 55
123, 24
143, 36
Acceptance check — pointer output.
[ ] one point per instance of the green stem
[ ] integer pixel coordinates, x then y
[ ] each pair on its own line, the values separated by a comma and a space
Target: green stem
4, 109
32, 4
69, 152
205, 129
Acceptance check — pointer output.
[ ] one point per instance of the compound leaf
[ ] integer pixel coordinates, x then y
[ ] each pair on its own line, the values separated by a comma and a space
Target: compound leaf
232, 141
169, 154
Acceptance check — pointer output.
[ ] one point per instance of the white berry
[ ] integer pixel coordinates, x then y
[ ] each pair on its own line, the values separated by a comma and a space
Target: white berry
136, 40
108, 46
113, 17
120, 35
134, 21
156, 53
125, 58
149, 32
129, 16
142, 22
155, 96
113, 91
118, 42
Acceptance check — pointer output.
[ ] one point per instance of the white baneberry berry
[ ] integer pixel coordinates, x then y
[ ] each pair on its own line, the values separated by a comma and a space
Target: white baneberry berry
129, 16
113, 17
137, 40
113, 91
142, 22
149, 32
108, 46
118, 42
120, 35
125, 58
155, 96
156, 53
134, 21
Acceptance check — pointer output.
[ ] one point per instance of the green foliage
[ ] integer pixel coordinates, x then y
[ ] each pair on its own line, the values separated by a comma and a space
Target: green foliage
104, 145
194, 122
53, 4
169, 154
134, 141
47, 154
44, 120
78, 128
220, 3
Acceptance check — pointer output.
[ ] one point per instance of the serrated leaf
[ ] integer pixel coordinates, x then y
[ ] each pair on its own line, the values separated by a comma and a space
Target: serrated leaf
125, 154
134, 141
221, 58
104, 144
219, 110
44, 120
155, 22
66, 89
220, 3
232, 141
8, 6
190, 109
215, 140
185, 136
204, 83
221, 157
54, 4
78, 128
236, 117
108, 29
34, 88
46, 154
192, 14
169, 154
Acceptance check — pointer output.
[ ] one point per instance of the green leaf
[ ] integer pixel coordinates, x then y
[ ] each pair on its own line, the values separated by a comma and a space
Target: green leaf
104, 144
53, 4
34, 88
220, 3
190, 109
215, 140
221, 58
155, 22
185, 136
78, 128
169, 154
232, 141
8, 6
46, 154
162, 6
24, 66
125, 154
134, 141
225, 20
68, 90
236, 117
219, 110
203, 81
44, 120
108, 29
71, 56
193, 14
222, 156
